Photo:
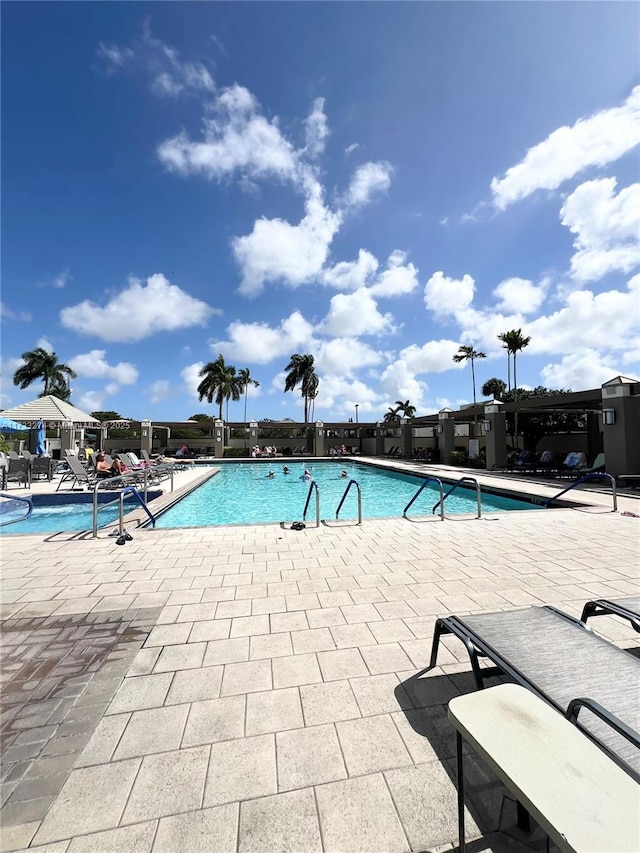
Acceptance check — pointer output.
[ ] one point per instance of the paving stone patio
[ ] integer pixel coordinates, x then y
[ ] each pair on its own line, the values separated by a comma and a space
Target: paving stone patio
271, 700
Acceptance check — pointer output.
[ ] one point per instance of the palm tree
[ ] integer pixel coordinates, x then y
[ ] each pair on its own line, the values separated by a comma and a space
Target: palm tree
244, 374
301, 371
42, 365
469, 354
514, 342
494, 388
220, 382
504, 337
408, 411
391, 415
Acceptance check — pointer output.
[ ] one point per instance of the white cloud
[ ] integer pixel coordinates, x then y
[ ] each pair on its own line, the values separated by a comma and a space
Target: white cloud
585, 369
45, 344
94, 365
62, 279
338, 395
399, 277
351, 148
316, 128
518, 295
9, 314
593, 141
432, 357
170, 75
91, 401
606, 226
351, 275
115, 57
278, 251
368, 180
237, 138
259, 343
345, 357
355, 314
191, 378
446, 296
138, 311
611, 319
159, 391
399, 382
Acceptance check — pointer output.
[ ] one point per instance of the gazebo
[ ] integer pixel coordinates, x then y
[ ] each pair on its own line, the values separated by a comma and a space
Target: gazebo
56, 414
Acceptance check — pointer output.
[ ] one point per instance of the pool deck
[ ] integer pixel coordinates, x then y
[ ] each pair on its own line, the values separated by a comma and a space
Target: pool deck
254, 688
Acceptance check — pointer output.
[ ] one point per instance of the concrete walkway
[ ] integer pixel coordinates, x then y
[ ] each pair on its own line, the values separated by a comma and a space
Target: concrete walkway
253, 688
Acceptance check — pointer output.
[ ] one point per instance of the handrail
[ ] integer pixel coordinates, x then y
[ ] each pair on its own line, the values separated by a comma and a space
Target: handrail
313, 485
346, 492
132, 490
454, 487
109, 481
28, 501
427, 480
584, 479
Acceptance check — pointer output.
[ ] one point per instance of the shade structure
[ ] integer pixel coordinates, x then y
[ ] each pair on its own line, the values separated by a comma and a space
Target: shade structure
52, 411
9, 425
40, 438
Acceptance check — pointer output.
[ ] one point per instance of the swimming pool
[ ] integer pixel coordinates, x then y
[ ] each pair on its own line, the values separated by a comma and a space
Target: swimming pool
244, 493
62, 513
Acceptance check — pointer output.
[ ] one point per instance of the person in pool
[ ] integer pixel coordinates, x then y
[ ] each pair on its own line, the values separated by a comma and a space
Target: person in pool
271, 474
285, 470
344, 473
306, 475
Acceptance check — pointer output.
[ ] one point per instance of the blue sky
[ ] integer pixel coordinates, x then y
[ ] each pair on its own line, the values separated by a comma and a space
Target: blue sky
373, 183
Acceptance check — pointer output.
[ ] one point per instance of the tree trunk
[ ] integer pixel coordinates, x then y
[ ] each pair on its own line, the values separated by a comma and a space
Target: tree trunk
246, 388
508, 370
473, 379
515, 394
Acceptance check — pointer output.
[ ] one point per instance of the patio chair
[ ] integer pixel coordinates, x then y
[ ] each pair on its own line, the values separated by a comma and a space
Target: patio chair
77, 473
42, 466
18, 471
627, 608
560, 660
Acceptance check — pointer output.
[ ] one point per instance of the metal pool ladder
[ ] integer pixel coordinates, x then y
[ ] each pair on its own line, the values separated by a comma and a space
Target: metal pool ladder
312, 485
592, 476
473, 480
27, 501
346, 492
426, 482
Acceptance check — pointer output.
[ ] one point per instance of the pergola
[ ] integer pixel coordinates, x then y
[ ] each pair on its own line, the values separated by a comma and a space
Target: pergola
53, 411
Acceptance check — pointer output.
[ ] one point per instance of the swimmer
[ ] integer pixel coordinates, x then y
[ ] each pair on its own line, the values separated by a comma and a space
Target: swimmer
285, 470
271, 474
344, 473
306, 475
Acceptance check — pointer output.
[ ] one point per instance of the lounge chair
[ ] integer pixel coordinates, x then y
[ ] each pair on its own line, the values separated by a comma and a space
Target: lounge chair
627, 608
77, 473
597, 466
559, 659
42, 466
18, 471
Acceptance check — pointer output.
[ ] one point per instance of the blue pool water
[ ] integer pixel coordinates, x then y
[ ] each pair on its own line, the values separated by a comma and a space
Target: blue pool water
243, 493
59, 513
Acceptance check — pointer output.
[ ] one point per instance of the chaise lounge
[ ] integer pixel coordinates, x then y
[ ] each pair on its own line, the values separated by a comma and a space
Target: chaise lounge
627, 608
560, 660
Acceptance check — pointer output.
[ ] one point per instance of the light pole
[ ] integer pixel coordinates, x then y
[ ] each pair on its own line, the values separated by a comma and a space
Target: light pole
357, 404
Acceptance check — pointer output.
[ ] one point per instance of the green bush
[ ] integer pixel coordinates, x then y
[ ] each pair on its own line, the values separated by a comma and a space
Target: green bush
458, 457
236, 452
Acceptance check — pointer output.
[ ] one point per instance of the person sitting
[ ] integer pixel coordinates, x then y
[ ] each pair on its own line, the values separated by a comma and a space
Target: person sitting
256, 452
105, 469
